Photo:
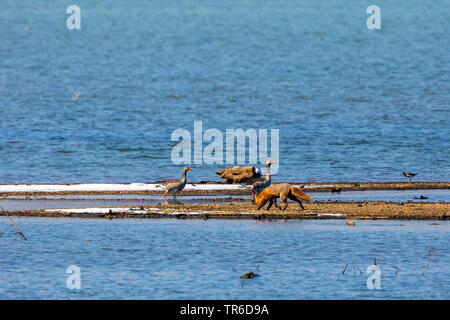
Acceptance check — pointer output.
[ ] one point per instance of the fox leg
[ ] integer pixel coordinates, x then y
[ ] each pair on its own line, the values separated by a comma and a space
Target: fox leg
275, 203
292, 197
284, 199
270, 205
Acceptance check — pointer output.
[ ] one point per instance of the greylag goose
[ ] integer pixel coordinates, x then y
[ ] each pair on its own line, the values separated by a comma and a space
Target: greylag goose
175, 186
259, 186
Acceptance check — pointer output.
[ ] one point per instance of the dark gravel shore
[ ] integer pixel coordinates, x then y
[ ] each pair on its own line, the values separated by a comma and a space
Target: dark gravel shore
246, 210
234, 208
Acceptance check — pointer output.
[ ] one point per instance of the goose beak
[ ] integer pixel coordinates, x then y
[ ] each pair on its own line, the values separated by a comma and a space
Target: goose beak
189, 169
273, 162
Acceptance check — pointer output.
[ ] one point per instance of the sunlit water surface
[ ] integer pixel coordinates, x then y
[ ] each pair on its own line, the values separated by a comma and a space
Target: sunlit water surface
351, 104
196, 259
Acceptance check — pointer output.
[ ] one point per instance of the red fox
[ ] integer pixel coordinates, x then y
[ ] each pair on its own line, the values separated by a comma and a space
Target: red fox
283, 191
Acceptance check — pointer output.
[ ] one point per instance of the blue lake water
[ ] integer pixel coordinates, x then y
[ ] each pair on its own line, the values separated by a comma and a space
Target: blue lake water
351, 104
196, 259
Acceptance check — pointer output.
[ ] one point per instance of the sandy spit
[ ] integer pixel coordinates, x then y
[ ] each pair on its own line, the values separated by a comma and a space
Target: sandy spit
246, 210
204, 188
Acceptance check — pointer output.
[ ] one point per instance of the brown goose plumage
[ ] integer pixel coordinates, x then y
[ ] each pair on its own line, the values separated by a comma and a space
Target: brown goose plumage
175, 186
259, 186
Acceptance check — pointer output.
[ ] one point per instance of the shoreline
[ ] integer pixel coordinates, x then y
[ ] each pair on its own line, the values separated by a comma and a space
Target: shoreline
202, 188
319, 210
226, 205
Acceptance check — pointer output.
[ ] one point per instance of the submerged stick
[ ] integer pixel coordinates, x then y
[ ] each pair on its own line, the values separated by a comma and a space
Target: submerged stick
345, 268
429, 261
6, 230
357, 266
18, 230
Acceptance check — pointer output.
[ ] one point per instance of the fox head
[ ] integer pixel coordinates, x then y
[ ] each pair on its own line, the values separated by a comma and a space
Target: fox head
261, 197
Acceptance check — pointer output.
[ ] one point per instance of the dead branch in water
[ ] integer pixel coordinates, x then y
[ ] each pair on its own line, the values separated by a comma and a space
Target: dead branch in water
429, 261
18, 230
345, 268
357, 267
6, 230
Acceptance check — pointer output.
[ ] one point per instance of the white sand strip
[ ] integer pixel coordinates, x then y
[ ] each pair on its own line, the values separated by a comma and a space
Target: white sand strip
321, 186
92, 210
107, 210
324, 214
111, 187
94, 187
188, 213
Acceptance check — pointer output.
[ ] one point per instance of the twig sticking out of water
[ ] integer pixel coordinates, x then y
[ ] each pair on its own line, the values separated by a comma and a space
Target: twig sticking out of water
18, 230
6, 230
345, 268
429, 261
357, 267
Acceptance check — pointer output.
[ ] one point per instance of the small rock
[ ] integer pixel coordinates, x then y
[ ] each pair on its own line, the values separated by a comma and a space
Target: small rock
249, 275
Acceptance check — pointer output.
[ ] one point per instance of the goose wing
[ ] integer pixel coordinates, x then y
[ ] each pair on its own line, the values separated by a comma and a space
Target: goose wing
260, 185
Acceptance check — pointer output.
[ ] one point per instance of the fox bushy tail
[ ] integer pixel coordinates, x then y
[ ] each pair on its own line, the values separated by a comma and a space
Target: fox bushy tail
300, 194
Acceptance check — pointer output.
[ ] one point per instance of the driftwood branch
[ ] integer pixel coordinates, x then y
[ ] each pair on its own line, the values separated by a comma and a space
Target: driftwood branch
429, 261
345, 268
18, 230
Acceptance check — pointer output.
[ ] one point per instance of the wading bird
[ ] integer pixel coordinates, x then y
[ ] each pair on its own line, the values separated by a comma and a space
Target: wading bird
176, 186
409, 175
